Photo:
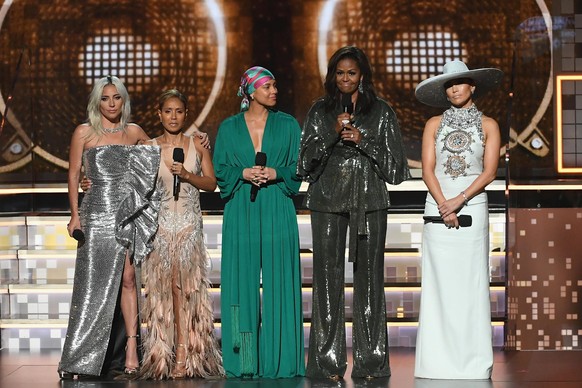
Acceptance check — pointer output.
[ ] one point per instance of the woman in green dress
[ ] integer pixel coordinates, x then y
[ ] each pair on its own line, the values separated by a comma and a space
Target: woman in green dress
262, 323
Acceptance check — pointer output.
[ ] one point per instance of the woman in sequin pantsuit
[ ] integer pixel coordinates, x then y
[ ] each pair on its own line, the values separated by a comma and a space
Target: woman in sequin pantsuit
348, 159
460, 153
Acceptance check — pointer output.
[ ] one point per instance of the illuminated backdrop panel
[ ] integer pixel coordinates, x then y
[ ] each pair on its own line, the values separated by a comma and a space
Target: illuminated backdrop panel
202, 47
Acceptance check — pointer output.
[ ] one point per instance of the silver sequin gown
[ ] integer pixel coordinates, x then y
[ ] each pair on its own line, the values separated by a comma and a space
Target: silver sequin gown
118, 213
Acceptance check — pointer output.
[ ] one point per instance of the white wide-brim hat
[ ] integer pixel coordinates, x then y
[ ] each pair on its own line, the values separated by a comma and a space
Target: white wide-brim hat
432, 92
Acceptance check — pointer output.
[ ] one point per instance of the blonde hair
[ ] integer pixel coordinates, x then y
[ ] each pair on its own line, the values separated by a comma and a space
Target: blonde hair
93, 107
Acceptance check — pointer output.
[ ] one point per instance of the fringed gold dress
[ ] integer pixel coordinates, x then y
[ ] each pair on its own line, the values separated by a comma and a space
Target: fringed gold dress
180, 256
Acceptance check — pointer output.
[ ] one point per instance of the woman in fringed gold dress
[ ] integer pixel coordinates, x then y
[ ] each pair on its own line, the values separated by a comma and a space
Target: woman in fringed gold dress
177, 309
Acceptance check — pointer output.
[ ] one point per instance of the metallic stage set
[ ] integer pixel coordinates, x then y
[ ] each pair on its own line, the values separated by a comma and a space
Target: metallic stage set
52, 51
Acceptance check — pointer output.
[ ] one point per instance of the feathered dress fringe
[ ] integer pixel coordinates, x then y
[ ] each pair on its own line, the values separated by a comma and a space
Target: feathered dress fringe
184, 255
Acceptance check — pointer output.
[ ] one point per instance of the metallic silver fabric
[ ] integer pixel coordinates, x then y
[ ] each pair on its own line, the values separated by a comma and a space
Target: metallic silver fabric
351, 179
118, 214
348, 188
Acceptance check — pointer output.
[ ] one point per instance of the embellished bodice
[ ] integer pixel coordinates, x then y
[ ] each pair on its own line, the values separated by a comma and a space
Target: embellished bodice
459, 143
185, 211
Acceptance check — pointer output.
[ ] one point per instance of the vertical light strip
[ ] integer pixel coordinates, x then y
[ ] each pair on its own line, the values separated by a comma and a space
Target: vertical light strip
325, 21
559, 124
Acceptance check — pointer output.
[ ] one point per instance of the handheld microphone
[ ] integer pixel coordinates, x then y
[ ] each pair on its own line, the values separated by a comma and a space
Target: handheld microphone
78, 235
260, 160
179, 158
348, 107
464, 220
347, 104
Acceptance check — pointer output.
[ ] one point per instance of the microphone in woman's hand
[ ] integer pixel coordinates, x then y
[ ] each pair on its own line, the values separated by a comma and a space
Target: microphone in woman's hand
260, 160
178, 156
78, 235
464, 220
347, 104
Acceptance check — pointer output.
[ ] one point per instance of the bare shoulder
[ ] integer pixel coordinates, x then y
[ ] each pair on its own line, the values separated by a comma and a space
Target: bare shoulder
136, 133
489, 124
83, 135
433, 123
83, 129
133, 128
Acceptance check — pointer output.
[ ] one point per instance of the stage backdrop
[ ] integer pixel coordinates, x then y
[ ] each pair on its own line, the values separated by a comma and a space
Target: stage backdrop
52, 51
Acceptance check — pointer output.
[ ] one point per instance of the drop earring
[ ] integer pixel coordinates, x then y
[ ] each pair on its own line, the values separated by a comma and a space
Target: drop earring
360, 87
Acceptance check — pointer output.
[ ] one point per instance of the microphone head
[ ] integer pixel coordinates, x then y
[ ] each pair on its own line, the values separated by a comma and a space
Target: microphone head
465, 220
178, 155
261, 159
78, 235
347, 103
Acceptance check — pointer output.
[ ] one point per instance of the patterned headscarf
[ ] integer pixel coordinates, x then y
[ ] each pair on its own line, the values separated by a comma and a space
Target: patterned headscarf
251, 80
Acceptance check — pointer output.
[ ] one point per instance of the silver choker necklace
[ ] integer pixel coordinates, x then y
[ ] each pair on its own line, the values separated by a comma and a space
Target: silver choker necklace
113, 130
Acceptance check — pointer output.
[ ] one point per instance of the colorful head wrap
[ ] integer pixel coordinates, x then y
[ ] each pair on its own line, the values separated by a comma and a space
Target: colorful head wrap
251, 80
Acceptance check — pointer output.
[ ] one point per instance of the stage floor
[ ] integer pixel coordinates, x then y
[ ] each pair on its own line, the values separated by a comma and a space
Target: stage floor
525, 369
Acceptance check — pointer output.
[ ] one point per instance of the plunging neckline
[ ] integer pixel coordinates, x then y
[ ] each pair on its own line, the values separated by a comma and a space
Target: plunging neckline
261, 149
186, 154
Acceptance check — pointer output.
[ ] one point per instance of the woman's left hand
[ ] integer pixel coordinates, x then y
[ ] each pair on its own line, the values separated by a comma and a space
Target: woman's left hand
351, 133
263, 174
178, 169
204, 139
85, 184
450, 206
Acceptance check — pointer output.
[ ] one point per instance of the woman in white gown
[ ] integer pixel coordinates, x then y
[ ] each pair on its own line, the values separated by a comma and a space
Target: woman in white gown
460, 153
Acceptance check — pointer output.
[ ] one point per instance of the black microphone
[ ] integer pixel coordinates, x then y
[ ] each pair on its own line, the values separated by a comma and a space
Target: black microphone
347, 103
78, 235
260, 160
464, 220
348, 107
179, 158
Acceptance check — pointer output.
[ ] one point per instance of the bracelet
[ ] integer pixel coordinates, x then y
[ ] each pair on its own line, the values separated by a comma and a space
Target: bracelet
465, 198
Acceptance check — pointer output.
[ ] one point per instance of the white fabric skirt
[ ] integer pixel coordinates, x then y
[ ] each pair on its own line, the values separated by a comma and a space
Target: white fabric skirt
454, 336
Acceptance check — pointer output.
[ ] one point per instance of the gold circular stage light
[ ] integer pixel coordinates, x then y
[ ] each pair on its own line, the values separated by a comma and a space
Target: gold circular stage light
408, 41
67, 45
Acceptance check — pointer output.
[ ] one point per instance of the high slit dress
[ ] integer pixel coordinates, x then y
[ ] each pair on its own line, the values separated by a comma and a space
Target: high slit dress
118, 215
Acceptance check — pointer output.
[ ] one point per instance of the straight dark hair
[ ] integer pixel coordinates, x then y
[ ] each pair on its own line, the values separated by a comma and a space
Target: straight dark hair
332, 98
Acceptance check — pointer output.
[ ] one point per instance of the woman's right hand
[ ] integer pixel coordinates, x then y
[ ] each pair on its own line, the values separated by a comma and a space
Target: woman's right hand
451, 221
343, 119
74, 223
253, 174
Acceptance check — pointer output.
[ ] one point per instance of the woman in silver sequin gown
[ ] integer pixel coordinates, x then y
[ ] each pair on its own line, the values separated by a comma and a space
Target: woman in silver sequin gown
177, 310
460, 153
348, 159
118, 218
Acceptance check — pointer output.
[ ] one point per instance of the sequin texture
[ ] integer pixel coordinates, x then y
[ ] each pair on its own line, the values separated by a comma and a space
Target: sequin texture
118, 213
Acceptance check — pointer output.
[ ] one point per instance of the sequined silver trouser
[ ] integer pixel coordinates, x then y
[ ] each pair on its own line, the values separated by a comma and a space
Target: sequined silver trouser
327, 342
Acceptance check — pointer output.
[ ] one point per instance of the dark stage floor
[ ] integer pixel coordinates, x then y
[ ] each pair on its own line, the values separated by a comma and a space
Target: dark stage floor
531, 369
